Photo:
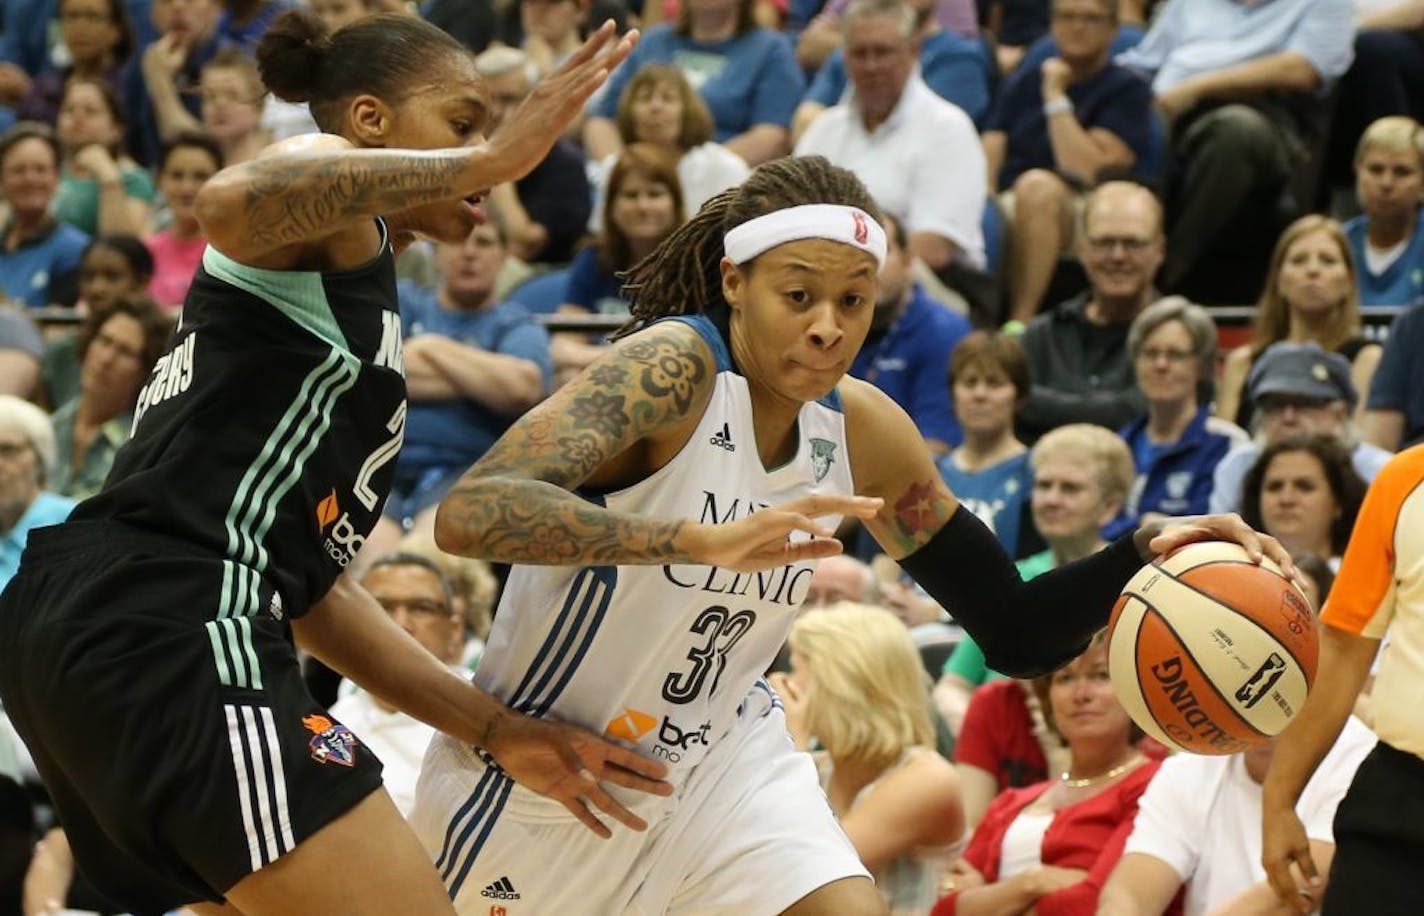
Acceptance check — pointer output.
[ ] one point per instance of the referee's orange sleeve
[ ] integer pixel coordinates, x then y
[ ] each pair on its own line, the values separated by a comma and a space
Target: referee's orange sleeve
1367, 571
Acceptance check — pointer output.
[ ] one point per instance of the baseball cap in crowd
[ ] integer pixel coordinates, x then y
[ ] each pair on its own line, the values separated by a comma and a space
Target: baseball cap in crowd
1302, 370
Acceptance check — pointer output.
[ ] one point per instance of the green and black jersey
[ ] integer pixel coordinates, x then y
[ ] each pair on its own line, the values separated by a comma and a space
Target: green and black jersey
269, 430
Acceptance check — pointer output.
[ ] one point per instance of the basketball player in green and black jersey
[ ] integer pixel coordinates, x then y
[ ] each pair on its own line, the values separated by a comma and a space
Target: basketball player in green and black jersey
148, 656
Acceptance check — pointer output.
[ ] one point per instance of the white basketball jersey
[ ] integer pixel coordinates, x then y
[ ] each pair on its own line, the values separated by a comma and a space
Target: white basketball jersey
662, 656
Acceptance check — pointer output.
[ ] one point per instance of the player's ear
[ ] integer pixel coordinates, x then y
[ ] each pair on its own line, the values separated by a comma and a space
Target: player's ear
734, 284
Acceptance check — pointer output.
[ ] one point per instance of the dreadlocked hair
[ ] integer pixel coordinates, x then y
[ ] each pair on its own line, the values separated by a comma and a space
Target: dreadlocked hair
683, 275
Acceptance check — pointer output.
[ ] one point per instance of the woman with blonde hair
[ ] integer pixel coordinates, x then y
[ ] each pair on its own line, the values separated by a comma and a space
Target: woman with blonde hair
857, 690
1311, 293
1385, 239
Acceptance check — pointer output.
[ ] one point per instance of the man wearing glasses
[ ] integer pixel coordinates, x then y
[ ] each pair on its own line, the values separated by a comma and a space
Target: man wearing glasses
1059, 127
1077, 353
416, 594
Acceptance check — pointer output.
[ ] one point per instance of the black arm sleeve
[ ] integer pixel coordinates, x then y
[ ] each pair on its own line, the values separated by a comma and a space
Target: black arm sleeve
1024, 628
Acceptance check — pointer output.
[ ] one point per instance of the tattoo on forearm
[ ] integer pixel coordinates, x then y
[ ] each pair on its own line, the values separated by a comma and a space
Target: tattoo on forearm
297, 197
515, 505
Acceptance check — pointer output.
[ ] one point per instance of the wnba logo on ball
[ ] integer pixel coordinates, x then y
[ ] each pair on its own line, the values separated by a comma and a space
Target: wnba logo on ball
1262, 681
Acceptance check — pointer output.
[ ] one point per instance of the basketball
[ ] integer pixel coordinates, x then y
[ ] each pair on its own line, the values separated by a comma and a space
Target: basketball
1210, 652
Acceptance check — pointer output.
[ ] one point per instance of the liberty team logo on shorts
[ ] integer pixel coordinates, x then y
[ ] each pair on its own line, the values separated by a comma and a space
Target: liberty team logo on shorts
331, 741
823, 455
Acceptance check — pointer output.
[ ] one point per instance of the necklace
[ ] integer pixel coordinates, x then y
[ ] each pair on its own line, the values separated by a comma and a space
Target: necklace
1101, 777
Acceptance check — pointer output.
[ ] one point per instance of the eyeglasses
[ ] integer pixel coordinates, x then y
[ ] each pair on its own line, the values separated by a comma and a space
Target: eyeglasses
1129, 244
84, 16
1167, 353
1081, 18
420, 606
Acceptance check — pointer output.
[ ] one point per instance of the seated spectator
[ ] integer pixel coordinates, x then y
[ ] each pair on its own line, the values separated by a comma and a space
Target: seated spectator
989, 473
1239, 86
472, 364
1297, 389
856, 689
474, 590
118, 347
746, 74
661, 107
1177, 444
27, 455
232, 96
114, 267
341, 13
101, 190
1385, 239
1049, 847
1015, 25
1056, 129
822, 33
1394, 415
553, 29
1198, 831
187, 164
1077, 353
841, 578
99, 40
544, 212
1310, 295
160, 85
414, 591
21, 351
1304, 492
897, 135
645, 206
954, 67
40, 258
1081, 475
908, 345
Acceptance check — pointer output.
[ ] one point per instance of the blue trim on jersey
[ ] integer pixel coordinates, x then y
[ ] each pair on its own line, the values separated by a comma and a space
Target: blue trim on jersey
487, 801
710, 335
832, 401
568, 641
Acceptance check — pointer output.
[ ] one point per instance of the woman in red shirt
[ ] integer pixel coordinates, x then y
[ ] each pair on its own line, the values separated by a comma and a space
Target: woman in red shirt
1048, 848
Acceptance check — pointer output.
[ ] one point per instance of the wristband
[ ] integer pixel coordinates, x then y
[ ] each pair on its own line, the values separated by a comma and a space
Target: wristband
1058, 106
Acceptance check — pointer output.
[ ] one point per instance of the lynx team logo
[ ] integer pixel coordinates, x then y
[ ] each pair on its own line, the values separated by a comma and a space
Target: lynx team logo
331, 741
823, 455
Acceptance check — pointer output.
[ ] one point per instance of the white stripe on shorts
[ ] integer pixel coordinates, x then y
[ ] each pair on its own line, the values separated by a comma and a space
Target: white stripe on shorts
261, 782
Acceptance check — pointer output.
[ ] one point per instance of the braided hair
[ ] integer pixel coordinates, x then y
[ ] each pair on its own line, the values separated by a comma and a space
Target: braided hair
683, 275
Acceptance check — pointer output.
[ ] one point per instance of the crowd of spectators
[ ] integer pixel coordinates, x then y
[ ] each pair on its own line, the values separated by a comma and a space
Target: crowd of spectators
1147, 257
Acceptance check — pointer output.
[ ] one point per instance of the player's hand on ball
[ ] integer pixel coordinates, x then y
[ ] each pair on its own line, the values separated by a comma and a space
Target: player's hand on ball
1283, 845
762, 541
1165, 535
568, 764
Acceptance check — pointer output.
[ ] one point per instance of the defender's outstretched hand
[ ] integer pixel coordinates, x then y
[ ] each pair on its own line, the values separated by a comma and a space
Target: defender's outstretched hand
531, 130
568, 764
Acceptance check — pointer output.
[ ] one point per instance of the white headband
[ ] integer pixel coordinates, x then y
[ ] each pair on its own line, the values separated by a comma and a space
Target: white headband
833, 222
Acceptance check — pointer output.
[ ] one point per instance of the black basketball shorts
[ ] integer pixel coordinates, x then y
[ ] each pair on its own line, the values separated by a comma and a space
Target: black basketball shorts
158, 690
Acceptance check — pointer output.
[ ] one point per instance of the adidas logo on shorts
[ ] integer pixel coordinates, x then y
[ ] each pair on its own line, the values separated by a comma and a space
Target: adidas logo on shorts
500, 890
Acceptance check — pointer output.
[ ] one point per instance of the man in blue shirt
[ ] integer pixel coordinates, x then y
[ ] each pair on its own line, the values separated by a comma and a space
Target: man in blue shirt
1059, 127
1203, 58
906, 354
472, 366
186, 27
39, 256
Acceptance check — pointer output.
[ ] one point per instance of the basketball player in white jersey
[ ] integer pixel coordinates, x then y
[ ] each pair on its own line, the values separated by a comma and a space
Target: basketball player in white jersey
664, 513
